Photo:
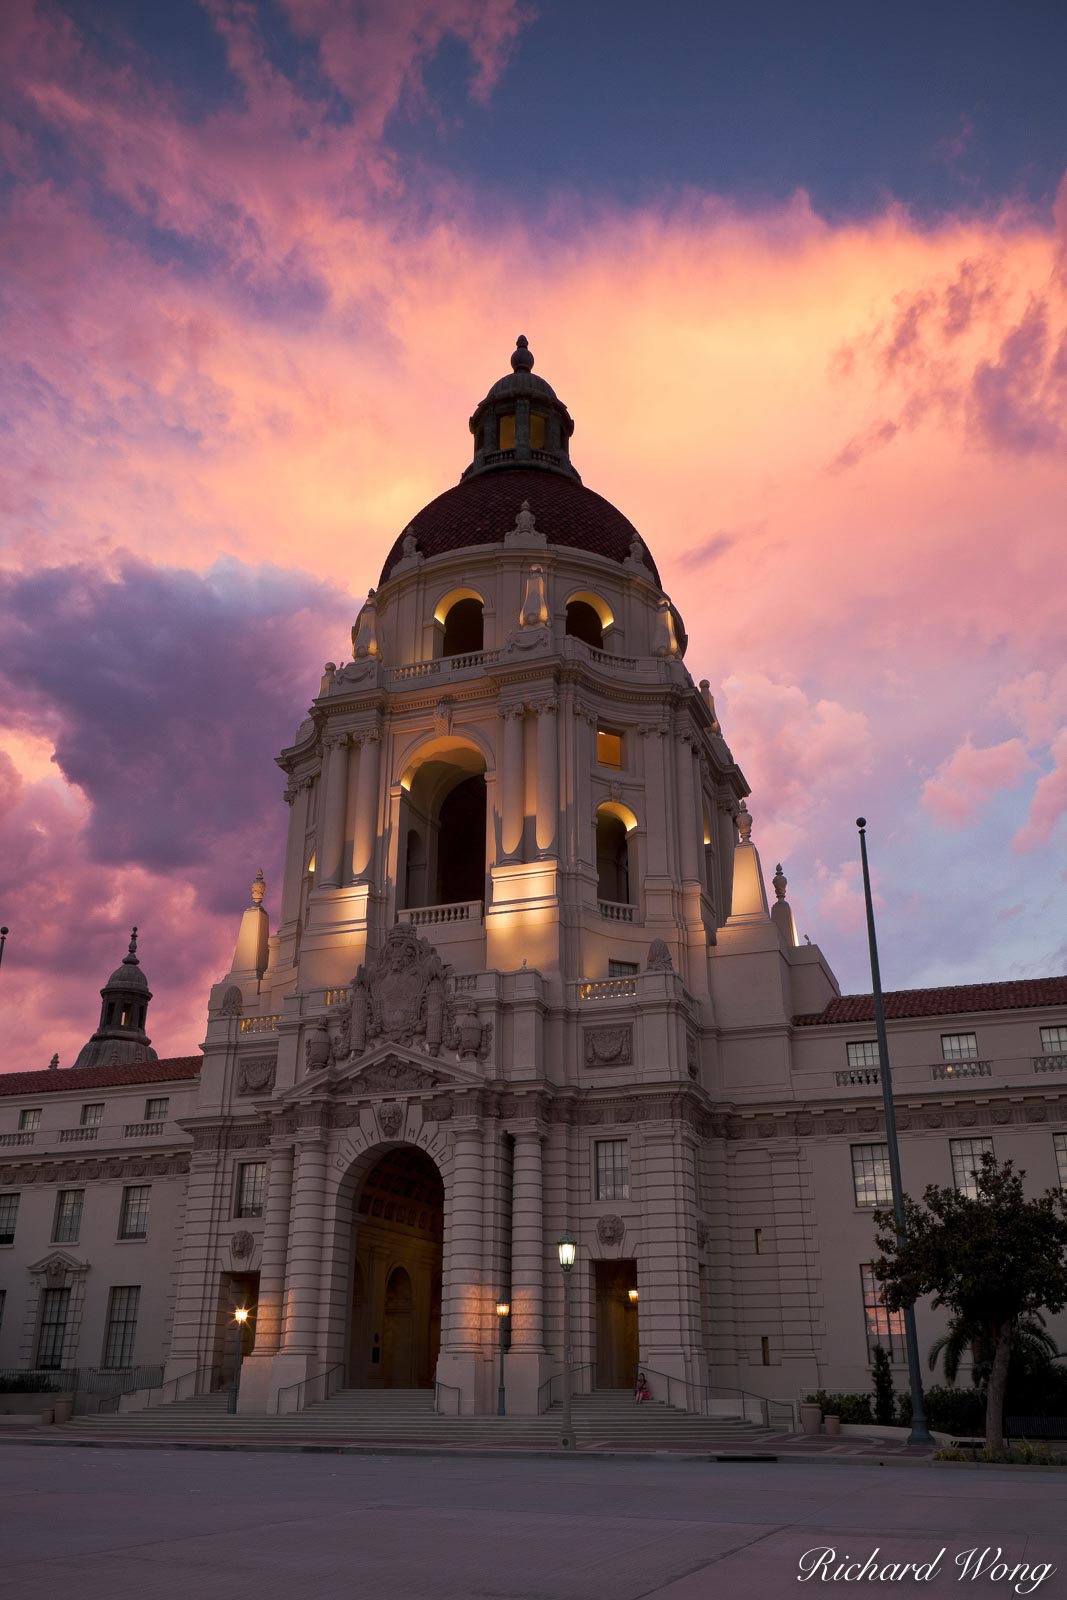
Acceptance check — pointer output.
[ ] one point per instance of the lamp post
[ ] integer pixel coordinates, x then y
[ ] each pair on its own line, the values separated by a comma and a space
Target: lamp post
240, 1317
567, 1247
920, 1433
503, 1310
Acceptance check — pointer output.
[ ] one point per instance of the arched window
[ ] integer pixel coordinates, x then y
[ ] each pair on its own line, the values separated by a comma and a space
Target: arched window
444, 827
614, 824
583, 623
460, 625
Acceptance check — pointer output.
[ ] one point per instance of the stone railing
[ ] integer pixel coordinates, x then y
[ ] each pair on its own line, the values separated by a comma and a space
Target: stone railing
466, 982
1049, 1063
334, 997
260, 1024
142, 1130
950, 1070
430, 669
616, 911
607, 989
76, 1135
437, 916
602, 659
852, 1077
23, 1137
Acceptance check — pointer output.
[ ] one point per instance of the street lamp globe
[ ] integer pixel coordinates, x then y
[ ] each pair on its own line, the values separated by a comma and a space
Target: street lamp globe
567, 1247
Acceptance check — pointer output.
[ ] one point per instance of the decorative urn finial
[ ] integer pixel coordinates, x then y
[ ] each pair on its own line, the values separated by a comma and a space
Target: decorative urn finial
780, 881
744, 823
522, 357
131, 954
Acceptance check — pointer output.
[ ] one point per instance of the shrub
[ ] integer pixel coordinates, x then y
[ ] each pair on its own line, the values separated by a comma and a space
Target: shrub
849, 1407
27, 1383
884, 1397
948, 1410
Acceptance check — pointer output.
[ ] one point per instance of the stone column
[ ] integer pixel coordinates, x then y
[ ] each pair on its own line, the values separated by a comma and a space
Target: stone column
365, 829
547, 778
297, 794
463, 1290
256, 1370
275, 1251
332, 834
511, 781
527, 1243
305, 1249
687, 811
657, 831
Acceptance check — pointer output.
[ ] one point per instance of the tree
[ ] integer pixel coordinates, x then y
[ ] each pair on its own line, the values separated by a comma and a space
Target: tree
885, 1401
1033, 1347
993, 1259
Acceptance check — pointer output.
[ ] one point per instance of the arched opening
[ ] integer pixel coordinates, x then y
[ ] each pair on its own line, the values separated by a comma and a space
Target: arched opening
614, 824
464, 628
444, 828
584, 623
395, 1325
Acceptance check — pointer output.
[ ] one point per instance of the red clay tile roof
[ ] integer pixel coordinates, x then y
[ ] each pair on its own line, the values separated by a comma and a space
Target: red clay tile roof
942, 1002
484, 507
50, 1082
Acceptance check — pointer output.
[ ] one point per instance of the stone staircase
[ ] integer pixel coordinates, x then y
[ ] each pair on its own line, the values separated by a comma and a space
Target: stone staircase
606, 1418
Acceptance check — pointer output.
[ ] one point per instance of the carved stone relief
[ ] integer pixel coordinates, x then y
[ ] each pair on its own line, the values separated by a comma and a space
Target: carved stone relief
609, 1047
242, 1244
610, 1229
391, 1118
255, 1075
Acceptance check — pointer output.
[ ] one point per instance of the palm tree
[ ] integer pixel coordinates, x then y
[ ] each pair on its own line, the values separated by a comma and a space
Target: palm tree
1032, 1346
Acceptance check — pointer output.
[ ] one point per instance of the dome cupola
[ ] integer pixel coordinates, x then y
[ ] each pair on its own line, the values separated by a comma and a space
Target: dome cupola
121, 1036
521, 422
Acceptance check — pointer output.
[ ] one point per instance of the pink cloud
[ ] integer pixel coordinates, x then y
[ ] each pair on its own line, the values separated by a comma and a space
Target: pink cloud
971, 777
1049, 803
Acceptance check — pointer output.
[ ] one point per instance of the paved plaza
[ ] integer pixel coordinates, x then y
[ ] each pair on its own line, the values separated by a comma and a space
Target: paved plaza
155, 1524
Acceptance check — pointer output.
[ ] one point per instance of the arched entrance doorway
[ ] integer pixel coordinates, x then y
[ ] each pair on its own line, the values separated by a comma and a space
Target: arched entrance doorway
395, 1325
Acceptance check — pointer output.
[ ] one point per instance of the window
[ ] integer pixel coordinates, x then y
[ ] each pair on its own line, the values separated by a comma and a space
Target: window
1059, 1139
133, 1220
758, 1240
586, 623
959, 1046
537, 430
608, 748
1053, 1042
966, 1161
765, 1350
883, 1327
93, 1116
9, 1212
30, 1121
507, 432
3, 1297
870, 1175
251, 1184
612, 858
623, 969
157, 1110
612, 1169
55, 1307
68, 1221
464, 628
121, 1326
862, 1053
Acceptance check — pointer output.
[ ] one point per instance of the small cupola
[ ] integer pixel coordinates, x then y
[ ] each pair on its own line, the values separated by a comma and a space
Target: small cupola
521, 422
121, 1036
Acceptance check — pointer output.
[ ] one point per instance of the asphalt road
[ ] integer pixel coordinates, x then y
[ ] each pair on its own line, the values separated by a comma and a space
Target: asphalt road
154, 1524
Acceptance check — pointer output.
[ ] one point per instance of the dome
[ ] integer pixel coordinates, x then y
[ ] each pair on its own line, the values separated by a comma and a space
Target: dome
128, 977
483, 508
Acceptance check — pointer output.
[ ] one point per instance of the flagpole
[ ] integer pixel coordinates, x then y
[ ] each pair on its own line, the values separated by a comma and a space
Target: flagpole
920, 1433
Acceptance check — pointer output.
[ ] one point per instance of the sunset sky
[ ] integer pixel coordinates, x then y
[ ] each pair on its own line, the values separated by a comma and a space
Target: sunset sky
799, 270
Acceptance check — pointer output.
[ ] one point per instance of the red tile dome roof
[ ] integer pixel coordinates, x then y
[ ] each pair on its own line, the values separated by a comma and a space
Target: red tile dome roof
483, 508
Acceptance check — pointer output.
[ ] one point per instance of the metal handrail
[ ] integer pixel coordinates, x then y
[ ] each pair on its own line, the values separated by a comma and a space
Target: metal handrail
704, 1394
303, 1383
452, 1389
194, 1373
546, 1389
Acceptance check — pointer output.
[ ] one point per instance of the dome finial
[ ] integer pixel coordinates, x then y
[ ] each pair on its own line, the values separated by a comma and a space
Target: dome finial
131, 956
521, 359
